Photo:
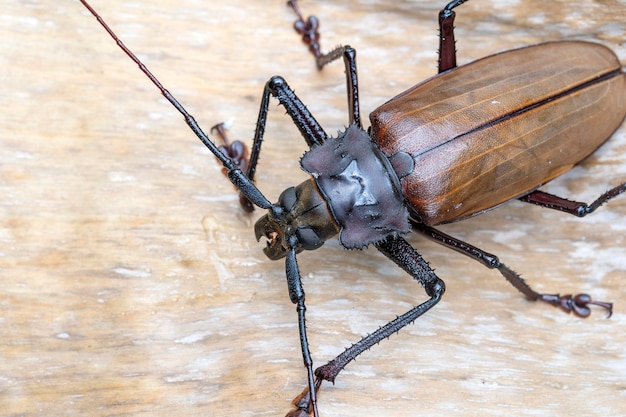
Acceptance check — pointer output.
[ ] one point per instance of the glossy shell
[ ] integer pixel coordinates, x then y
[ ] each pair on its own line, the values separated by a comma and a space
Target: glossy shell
500, 127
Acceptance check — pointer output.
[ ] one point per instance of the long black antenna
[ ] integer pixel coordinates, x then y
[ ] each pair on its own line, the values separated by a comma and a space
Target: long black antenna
235, 175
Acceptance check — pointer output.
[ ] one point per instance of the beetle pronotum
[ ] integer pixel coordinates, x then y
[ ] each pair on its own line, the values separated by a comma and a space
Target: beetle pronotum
450, 148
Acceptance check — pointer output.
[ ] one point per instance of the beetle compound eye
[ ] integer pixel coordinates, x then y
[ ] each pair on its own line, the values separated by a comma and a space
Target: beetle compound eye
288, 198
308, 238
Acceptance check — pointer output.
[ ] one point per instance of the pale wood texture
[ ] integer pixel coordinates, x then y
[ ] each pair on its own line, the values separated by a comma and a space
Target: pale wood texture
131, 280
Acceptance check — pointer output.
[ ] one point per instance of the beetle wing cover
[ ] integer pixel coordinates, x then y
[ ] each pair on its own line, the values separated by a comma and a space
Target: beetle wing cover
500, 127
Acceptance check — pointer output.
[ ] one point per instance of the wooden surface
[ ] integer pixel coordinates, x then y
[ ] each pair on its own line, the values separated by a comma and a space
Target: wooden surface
131, 280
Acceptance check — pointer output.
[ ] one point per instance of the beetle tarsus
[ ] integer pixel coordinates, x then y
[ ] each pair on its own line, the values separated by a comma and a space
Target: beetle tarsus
299, 412
613, 192
302, 402
577, 304
308, 29
237, 151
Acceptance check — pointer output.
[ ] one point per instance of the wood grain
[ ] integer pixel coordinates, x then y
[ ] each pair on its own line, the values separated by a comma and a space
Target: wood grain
131, 280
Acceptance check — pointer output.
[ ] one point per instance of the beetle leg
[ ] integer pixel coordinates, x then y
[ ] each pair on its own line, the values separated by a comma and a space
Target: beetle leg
308, 29
309, 128
296, 294
576, 208
404, 255
236, 151
578, 304
447, 44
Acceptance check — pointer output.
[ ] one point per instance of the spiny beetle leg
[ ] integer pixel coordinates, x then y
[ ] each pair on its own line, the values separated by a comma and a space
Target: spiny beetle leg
396, 248
311, 130
578, 304
447, 44
579, 209
237, 151
297, 296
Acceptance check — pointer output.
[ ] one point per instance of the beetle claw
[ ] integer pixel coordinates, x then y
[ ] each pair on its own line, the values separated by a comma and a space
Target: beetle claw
237, 151
302, 403
578, 304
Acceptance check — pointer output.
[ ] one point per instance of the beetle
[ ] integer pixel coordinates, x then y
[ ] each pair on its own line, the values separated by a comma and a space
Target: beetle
454, 146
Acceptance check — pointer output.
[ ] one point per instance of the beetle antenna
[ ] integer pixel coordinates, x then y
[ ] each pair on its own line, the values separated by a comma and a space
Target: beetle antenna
235, 175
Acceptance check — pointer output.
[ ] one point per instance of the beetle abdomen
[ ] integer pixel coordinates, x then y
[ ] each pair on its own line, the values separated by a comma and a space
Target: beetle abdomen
500, 127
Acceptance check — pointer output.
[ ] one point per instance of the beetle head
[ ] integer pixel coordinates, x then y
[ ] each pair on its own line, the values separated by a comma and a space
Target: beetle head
300, 220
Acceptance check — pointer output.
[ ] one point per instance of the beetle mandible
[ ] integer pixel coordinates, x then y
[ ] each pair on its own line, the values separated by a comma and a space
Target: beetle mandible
451, 147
